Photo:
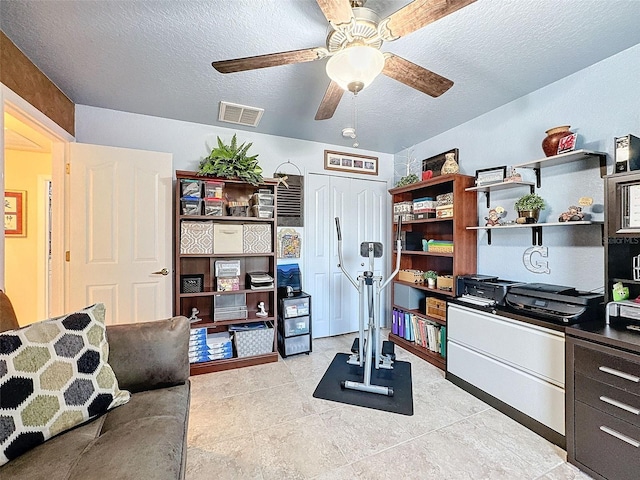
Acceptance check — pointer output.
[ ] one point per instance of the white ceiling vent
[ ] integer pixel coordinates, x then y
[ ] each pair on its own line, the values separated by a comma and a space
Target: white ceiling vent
240, 114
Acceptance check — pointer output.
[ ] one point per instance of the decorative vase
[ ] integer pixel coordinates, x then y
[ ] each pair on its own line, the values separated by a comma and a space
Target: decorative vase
529, 216
450, 165
431, 282
550, 142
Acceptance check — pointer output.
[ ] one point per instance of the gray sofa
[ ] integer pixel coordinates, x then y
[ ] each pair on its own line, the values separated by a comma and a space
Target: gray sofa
145, 438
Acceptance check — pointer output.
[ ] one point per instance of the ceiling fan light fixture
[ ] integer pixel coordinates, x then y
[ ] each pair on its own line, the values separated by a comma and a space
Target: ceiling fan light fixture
354, 68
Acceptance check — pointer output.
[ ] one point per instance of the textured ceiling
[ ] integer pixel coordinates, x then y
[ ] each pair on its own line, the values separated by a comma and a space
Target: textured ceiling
154, 58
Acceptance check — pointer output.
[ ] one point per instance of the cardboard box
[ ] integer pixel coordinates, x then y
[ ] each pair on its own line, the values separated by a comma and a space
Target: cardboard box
445, 282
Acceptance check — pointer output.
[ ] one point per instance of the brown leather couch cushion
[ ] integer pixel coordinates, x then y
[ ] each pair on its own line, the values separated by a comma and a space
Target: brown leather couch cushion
8, 320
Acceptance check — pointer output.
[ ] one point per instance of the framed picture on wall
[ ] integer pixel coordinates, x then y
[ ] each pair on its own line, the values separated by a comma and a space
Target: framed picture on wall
15, 213
350, 162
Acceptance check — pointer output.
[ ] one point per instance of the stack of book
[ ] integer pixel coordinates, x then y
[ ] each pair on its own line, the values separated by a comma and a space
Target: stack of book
419, 330
204, 347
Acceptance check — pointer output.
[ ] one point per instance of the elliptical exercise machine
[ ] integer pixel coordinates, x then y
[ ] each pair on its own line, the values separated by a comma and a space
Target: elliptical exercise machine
369, 287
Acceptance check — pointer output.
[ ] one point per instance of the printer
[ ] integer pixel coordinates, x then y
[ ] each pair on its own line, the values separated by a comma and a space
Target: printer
557, 303
484, 290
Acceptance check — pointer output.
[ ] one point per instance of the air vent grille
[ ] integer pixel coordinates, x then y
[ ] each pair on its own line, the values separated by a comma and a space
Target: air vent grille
240, 114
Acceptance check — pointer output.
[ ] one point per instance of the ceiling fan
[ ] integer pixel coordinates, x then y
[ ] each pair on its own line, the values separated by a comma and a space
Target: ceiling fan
353, 45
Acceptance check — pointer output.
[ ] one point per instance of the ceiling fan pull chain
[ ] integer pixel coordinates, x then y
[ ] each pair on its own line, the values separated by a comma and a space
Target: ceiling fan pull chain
355, 120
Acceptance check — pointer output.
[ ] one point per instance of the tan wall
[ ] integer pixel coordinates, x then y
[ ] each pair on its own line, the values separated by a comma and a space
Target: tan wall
24, 78
21, 253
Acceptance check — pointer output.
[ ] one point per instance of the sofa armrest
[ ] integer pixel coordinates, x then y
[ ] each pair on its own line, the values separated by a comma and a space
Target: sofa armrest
150, 355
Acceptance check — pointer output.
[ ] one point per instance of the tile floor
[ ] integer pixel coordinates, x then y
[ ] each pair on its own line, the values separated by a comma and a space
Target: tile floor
263, 423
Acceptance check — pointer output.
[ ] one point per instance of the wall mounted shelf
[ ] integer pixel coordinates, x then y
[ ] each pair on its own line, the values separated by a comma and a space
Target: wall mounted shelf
568, 157
536, 228
486, 189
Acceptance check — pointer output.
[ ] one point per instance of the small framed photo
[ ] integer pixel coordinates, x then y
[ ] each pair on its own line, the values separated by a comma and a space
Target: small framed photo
488, 176
15, 213
350, 162
567, 144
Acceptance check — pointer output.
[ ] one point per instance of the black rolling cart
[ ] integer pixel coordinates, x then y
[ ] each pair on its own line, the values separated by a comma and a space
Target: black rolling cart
294, 324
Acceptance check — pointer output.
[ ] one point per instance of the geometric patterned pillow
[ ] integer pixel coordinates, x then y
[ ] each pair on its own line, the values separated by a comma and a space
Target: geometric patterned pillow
54, 375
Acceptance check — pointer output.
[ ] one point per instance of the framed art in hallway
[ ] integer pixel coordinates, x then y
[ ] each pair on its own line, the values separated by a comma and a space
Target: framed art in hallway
15, 209
350, 162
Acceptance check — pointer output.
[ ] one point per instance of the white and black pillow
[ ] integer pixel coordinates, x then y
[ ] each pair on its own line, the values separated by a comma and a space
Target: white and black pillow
54, 375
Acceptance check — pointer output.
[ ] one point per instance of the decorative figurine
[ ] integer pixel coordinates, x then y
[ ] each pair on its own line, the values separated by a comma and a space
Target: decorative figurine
495, 214
513, 176
194, 315
261, 311
573, 214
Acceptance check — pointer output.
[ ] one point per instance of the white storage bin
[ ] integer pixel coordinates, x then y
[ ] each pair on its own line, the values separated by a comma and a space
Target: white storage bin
227, 238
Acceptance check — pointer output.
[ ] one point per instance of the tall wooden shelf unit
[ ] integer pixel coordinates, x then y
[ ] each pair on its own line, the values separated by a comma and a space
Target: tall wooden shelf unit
461, 262
185, 264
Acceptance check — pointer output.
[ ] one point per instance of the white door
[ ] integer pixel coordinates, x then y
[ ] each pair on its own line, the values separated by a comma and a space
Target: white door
362, 206
120, 232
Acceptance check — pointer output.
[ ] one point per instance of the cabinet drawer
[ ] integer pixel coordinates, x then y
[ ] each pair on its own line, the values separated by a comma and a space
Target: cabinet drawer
537, 350
294, 345
605, 444
608, 399
609, 368
531, 395
295, 326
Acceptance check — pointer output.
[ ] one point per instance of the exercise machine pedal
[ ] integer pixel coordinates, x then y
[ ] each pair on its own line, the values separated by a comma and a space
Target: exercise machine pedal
356, 345
388, 350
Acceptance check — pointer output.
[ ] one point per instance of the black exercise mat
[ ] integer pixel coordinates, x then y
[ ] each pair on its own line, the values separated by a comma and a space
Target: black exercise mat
399, 378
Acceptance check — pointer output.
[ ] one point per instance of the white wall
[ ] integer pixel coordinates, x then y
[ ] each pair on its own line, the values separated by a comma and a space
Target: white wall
190, 142
600, 103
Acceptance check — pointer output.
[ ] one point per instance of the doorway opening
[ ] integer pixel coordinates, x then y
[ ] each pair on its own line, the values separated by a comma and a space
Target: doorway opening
32, 150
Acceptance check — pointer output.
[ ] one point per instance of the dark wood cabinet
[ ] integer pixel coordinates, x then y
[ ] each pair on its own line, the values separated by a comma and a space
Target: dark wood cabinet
603, 402
201, 265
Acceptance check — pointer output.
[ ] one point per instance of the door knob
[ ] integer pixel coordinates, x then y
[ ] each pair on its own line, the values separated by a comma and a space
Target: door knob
164, 271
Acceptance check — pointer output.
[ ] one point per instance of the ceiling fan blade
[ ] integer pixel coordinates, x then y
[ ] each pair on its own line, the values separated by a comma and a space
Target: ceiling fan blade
336, 11
415, 76
330, 101
421, 13
270, 60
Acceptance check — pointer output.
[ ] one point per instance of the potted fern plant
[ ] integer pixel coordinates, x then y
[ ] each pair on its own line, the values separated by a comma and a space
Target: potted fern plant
232, 161
529, 206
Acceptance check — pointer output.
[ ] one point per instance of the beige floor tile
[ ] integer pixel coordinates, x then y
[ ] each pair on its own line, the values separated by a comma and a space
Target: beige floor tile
463, 450
211, 422
565, 471
319, 405
262, 422
313, 365
264, 376
225, 460
217, 385
360, 432
535, 450
271, 407
300, 449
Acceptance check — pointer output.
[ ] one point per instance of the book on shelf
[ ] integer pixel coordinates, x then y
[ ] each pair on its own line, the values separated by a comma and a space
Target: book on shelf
421, 331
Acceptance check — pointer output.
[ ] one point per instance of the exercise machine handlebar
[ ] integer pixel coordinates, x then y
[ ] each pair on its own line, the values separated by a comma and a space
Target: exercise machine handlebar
340, 262
399, 253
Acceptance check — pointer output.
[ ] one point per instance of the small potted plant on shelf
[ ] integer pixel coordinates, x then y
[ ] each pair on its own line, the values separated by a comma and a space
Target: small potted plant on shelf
528, 207
430, 276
